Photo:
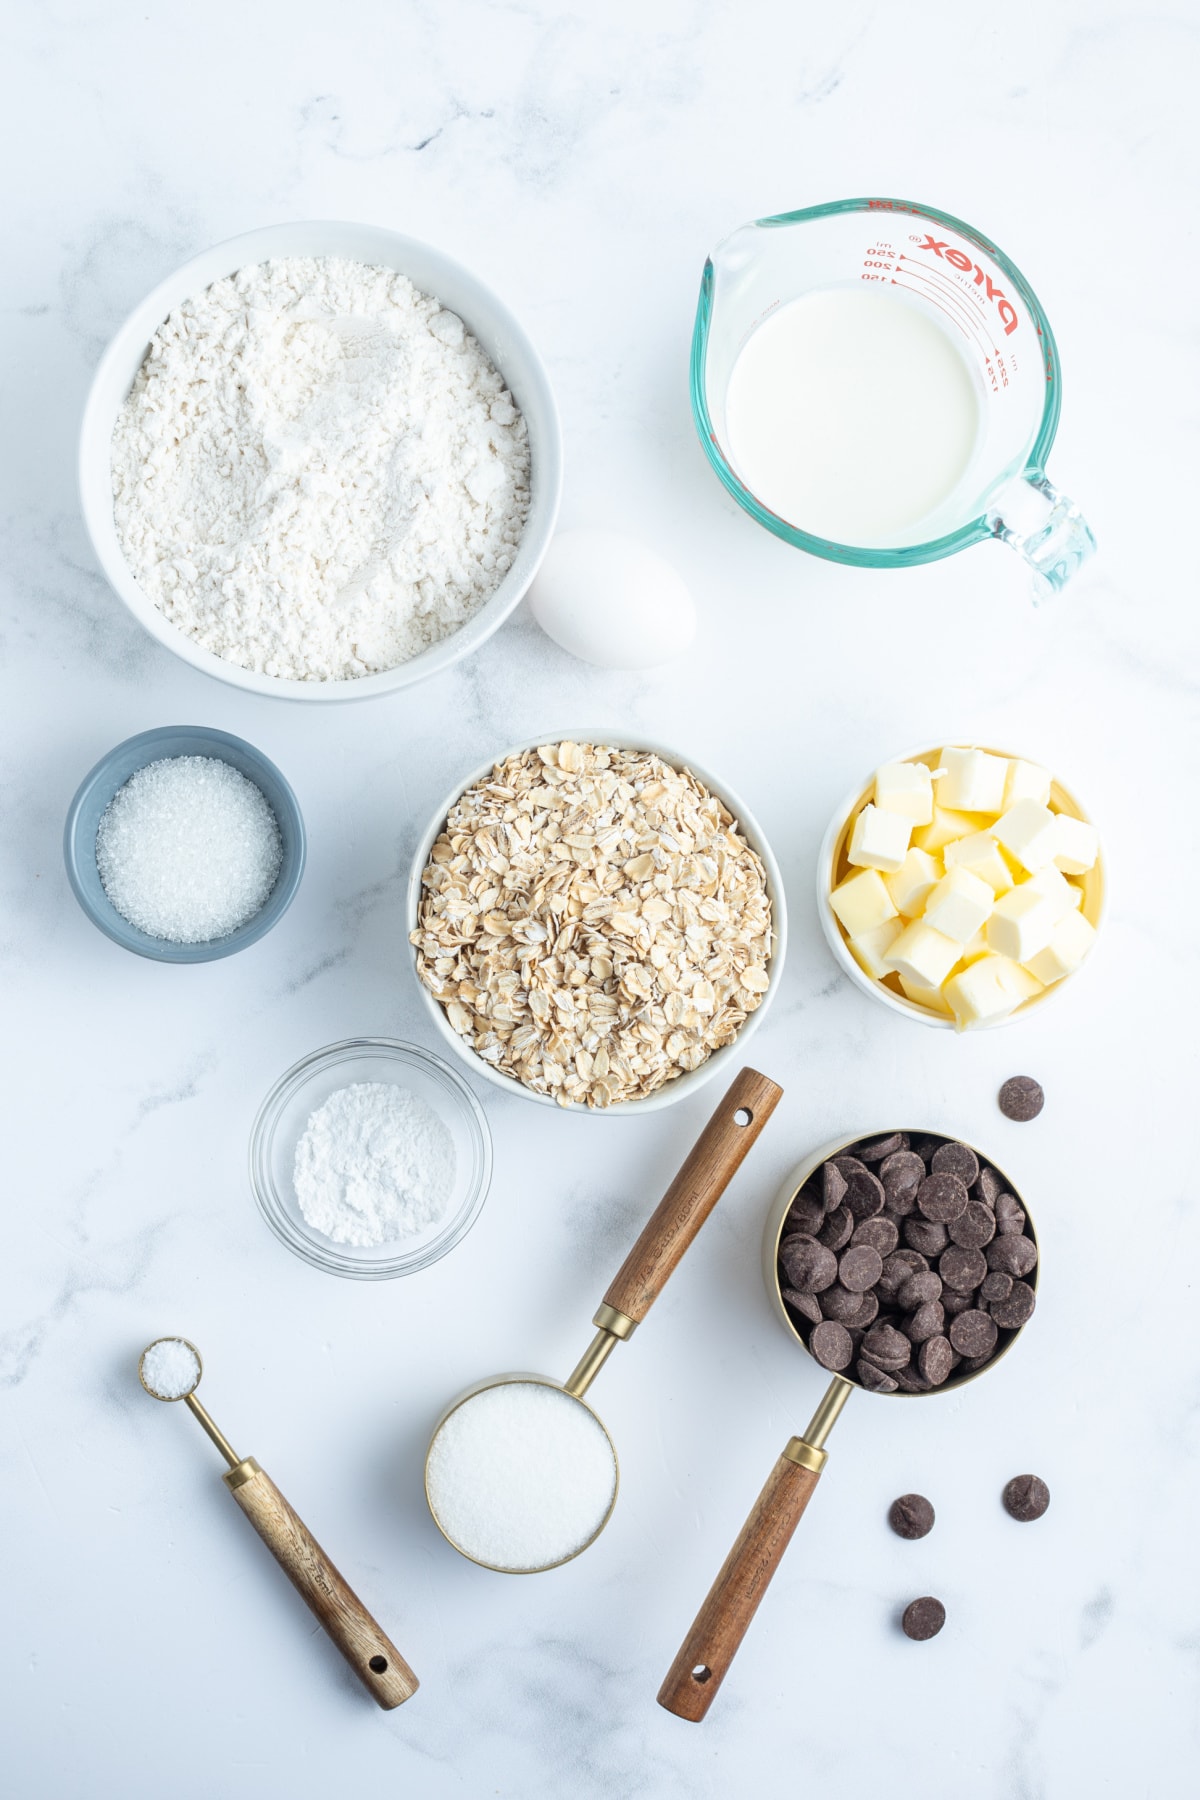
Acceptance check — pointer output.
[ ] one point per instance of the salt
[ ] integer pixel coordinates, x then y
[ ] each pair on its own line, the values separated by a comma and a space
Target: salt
374, 1164
521, 1476
188, 850
170, 1368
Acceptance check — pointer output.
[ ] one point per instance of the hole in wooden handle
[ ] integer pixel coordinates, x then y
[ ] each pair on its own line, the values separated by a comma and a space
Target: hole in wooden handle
743, 1116
701, 1672
378, 1665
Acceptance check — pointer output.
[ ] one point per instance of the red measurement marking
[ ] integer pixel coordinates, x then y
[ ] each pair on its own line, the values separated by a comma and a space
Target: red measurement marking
963, 295
970, 329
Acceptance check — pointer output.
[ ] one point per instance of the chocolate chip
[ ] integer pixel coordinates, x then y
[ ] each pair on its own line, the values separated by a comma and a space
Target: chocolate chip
1013, 1311
868, 1312
989, 1185
956, 1159
953, 1303
896, 1270
1026, 1498
805, 1214
810, 1266
942, 1197
923, 1618
962, 1269
807, 1305
919, 1288
924, 1147
911, 1516
839, 1303
927, 1322
886, 1346
832, 1345
1015, 1255
973, 1333
833, 1186
996, 1285
934, 1360
926, 1235
911, 1381
860, 1268
901, 1173
881, 1233
971, 1363
1010, 1221
976, 1227
864, 1193
874, 1379
878, 1148
1021, 1098
849, 1165
838, 1228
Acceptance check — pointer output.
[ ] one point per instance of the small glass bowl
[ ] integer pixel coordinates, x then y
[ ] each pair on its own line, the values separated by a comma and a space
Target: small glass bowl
285, 1112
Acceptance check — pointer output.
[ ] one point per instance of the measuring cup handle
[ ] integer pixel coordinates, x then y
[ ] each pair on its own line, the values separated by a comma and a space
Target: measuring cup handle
365, 1646
733, 1599
715, 1158
1044, 526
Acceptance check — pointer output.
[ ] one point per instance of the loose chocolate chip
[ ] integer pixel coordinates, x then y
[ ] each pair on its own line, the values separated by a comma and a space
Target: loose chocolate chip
864, 1194
942, 1197
833, 1186
956, 1159
832, 1345
839, 1303
881, 1233
1026, 1498
1013, 1311
901, 1173
976, 1227
805, 1214
878, 1148
1021, 1098
953, 1303
996, 1285
926, 1235
911, 1516
962, 1269
934, 1360
807, 1305
810, 1266
919, 1288
860, 1268
989, 1185
927, 1322
923, 1618
838, 1228
873, 1378
973, 1333
1015, 1255
886, 1346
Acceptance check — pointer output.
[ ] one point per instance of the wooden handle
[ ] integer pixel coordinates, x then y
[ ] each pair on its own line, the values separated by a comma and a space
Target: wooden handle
722, 1622
369, 1651
714, 1161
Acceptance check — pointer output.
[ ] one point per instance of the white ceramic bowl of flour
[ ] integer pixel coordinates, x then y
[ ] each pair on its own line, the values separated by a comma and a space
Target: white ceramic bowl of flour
432, 272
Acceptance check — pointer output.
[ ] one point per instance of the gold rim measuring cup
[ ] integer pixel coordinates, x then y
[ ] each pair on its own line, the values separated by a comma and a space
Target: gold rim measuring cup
714, 1160
704, 1657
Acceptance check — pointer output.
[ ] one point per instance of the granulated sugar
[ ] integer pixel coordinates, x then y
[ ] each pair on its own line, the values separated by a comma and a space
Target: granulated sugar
521, 1476
374, 1164
170, 1368
188, 849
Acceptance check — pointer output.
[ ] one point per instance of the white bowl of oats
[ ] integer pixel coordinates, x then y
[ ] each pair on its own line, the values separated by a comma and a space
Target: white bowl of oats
596, 922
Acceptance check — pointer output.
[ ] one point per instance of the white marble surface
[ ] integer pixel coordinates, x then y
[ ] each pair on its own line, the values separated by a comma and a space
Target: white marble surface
583, 159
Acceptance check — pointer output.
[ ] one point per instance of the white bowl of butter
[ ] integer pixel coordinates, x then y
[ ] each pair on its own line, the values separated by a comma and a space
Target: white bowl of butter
961, 886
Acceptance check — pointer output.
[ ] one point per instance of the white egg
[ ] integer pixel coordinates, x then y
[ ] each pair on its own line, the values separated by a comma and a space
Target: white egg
612, 601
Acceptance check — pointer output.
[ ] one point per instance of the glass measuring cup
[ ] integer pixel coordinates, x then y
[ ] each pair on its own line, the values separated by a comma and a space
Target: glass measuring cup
707, 1652
954, 275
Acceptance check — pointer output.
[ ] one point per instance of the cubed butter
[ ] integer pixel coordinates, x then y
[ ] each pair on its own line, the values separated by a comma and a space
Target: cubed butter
977, 947
1077, 845
945, 826
922, 955
972, 781
988, 990
862, 903
1073, 938
913, 882
879, 839
905, 788
1061, 895
1029, 831
959, 905
870, 950
931, 998
1026, 781
982, 855
1023, 921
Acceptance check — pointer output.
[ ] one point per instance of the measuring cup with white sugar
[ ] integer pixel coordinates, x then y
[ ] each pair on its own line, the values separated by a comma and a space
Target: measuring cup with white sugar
521, 1475
876, 383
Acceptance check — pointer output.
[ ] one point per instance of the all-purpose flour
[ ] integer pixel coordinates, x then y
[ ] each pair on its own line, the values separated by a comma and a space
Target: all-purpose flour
374, 1164
318, 472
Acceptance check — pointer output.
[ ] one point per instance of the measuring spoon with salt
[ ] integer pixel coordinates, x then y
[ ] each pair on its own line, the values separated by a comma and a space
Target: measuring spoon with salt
170, 1369
521, 1474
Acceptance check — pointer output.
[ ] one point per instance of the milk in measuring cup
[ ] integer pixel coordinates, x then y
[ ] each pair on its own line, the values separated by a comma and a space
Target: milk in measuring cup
853, 416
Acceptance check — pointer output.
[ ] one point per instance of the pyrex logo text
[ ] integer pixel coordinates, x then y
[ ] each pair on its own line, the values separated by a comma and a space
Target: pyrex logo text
960, 260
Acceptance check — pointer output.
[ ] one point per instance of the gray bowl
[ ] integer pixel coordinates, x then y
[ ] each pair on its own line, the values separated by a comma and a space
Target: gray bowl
113, 771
